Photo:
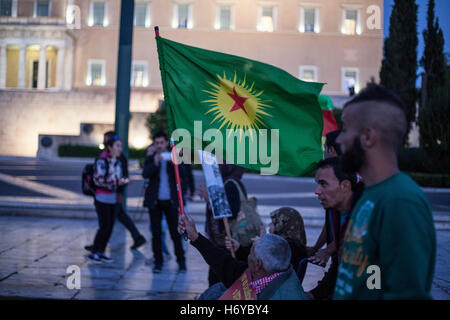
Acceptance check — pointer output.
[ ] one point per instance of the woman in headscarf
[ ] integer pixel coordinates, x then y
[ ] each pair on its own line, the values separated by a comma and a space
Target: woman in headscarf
287, 223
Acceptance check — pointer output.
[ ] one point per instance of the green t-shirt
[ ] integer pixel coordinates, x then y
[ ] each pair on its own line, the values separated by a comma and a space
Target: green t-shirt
391, 227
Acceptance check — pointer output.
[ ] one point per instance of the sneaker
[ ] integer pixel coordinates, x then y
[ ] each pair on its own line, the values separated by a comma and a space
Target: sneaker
95, 258
139, 242
157, 268
89, 248
105, 258
182, 267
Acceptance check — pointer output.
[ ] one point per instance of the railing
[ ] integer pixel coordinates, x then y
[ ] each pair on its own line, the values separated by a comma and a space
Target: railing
33, 21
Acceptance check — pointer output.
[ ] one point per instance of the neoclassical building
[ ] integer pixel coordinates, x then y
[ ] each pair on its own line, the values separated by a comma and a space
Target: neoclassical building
58, 58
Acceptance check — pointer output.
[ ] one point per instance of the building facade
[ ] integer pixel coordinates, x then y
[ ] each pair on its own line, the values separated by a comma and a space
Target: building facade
58, 58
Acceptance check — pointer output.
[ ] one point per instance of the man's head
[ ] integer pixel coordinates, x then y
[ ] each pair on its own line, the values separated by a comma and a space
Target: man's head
334, 186
270, 254
160, 141
332, 148
374, 120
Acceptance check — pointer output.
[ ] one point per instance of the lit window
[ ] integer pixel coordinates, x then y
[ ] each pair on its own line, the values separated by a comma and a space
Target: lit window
5, 8
351, 24
96, 73
308, 73
139, 76
350, 81
98, 14
183, 16
310, 19
224, 18
141, 17
267, 19
42, 8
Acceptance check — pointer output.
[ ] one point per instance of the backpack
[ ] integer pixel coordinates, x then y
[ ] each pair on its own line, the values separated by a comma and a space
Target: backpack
88, 186
248, 223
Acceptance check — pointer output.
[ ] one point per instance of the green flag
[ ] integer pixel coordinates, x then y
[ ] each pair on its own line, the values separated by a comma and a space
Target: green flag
261, 117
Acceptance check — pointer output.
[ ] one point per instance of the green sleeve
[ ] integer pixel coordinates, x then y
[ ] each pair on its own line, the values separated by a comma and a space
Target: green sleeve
407, 248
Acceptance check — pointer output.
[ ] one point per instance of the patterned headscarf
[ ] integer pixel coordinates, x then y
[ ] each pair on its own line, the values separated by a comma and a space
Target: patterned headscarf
288, 223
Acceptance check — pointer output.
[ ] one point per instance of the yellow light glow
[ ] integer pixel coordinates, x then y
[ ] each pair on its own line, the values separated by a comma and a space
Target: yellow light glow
101, 146
139, 142
266, 24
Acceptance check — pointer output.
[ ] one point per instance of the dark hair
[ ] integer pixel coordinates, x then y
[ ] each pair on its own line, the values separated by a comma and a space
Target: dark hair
354, 178
378, 93
111, 140
160, 134
331, 141
108, 135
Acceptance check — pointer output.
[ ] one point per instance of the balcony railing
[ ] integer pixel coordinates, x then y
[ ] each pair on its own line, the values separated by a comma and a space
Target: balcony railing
33, 21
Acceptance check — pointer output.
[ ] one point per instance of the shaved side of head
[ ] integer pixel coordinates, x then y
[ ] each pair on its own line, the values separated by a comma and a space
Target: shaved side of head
377, 107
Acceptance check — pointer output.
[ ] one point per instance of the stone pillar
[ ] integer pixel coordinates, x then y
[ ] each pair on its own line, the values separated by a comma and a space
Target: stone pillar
42, 67
14, 8
22, 64
60, 68
3, 67
68, 76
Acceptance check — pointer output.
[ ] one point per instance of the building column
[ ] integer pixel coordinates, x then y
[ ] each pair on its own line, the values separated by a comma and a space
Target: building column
68, 66
14, 8
3, 67
22, 65
42, 67
60, 68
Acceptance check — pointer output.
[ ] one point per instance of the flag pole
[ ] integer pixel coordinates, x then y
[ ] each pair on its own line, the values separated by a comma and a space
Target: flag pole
227, 230
181, 213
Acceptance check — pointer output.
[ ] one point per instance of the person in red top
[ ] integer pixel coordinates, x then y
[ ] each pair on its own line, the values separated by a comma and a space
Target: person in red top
108, 177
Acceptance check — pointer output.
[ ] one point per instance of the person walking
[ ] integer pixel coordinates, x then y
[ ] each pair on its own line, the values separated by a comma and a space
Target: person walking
108, 177
122, 215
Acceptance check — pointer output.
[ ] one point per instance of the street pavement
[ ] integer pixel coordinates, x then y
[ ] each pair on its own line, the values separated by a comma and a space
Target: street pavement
35, 253
42, 234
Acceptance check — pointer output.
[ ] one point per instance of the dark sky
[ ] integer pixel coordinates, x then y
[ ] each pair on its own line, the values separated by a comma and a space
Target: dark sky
442, 11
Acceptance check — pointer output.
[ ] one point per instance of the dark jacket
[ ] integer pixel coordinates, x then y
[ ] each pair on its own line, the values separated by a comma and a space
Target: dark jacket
214, 228
124, 162
325, 287
187, 180
298, 253
152, 172
285, 287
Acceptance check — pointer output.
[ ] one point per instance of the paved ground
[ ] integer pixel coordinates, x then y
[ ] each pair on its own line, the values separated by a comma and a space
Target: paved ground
35, 253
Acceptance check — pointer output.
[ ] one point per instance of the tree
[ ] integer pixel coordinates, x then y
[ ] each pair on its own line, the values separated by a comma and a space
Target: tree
434, 119
433, 60
399, 65
157, 121
434, 112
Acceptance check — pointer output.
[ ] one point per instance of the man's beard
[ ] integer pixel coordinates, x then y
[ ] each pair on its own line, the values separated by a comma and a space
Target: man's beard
353, 158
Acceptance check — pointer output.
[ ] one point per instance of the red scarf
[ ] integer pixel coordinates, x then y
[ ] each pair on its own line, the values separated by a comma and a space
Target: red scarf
260, 284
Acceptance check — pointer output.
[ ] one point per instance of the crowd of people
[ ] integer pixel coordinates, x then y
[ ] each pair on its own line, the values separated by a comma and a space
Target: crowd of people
376, 218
